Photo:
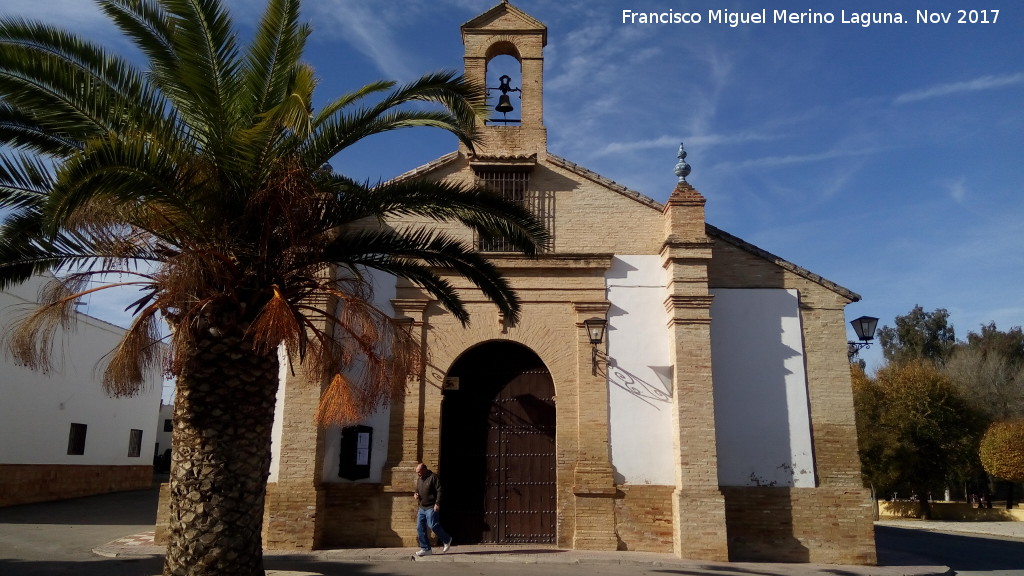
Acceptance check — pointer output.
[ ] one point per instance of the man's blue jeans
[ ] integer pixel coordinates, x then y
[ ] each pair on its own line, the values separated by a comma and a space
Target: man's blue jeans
427, 518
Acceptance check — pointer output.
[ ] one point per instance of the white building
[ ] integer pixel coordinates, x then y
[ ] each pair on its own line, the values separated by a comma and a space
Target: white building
61, 436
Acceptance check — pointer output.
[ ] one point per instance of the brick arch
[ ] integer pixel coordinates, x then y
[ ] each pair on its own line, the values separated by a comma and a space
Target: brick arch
503, 46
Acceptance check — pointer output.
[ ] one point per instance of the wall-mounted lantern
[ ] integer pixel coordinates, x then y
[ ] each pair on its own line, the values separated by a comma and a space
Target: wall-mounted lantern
865, 328
595, 331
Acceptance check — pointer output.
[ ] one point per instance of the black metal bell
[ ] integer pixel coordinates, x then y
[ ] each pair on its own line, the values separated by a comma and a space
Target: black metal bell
504, 104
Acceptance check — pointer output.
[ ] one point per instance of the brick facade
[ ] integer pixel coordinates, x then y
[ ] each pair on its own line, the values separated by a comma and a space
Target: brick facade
27, 483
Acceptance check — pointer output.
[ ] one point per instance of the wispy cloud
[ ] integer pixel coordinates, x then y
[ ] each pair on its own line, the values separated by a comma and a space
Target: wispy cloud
770, 161
978, 84
367, 29
662, 142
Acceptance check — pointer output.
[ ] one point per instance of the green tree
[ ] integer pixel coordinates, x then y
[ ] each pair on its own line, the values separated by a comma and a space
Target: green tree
202, 175
914, 429
918, 334
992, 341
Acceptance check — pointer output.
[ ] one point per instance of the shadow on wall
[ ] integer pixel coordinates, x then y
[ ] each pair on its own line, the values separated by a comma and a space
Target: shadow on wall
761, 412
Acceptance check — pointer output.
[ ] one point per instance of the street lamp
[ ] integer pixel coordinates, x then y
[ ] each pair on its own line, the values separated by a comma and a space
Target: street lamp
865, 329
595, 331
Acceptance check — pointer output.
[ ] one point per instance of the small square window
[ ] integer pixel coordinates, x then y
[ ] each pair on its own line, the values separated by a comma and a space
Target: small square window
135, 443
167, 425
76, 439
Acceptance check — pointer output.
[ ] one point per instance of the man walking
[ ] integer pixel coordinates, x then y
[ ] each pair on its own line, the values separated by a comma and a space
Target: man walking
428, 494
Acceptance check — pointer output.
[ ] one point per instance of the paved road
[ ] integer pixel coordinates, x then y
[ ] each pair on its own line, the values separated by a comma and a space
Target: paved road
55, 538
967, 554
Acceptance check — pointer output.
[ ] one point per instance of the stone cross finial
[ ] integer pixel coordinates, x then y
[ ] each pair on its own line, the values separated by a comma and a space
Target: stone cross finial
682, 168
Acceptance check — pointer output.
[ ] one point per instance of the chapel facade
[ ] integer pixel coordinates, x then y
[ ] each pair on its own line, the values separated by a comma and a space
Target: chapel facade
713, 420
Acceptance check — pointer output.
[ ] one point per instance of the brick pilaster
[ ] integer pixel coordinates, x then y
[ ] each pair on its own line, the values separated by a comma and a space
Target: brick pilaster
405, 441
296, 501
593, 481
698, 507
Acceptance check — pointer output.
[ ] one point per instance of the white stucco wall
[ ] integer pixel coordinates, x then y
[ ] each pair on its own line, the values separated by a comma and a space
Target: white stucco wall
761, 408
163, 437
37, 409
639, 372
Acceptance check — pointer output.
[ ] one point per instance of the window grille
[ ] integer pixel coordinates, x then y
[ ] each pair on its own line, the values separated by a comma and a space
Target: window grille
514, 186
76, 439
135, 443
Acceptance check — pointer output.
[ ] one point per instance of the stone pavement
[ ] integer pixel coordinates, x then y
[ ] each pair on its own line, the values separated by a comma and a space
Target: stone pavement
141, 545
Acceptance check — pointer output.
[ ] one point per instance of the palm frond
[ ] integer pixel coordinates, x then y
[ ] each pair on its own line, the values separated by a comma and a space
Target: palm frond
133, 171
24, 181
274, 53
73, 87
463, 106
205, 84
137, 354
412, 252
479, 208
351, 98
149, 27
20, 131
31, 339
277, 323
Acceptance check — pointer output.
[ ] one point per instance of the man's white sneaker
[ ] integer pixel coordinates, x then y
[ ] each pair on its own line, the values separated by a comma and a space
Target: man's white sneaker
447, 545
423, 552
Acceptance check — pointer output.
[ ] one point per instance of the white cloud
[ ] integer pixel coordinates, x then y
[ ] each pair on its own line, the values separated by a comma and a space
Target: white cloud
957, 189
978, 84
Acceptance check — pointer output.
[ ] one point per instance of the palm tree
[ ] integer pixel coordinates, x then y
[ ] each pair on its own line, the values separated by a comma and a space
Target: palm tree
201, 178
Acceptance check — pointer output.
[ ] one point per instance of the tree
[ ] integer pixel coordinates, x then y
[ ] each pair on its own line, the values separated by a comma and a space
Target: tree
914, 429
918, 334
990, 340
1002, 453
991, 382
203, 177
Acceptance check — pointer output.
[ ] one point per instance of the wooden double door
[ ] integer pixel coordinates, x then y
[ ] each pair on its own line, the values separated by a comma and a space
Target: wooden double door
498, 447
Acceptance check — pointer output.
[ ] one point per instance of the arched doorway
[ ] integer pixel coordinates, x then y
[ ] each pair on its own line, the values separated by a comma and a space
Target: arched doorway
498, 447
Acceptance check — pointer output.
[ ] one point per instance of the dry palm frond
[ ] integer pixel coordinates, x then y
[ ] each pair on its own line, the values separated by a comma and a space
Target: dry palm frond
375, 353
338, 405
277, 323
137, 352
31, 342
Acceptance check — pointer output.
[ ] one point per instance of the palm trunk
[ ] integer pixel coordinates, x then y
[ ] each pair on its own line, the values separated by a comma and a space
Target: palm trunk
223, 416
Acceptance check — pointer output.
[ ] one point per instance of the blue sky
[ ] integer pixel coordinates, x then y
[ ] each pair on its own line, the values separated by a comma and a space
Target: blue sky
886, 158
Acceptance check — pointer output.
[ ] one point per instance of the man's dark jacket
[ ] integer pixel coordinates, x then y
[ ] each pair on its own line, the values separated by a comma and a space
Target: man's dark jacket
429, 489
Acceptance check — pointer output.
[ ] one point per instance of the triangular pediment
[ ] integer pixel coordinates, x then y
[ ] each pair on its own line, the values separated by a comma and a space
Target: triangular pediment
505, 18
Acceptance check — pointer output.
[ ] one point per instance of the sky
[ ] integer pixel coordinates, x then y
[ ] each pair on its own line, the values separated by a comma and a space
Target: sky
886, 157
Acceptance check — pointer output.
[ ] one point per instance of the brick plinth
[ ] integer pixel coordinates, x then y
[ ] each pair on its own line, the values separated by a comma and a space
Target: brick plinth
351, 515
595, 528
643, 518
700, 530
800, 525
291, 521
397, 519
27, 483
